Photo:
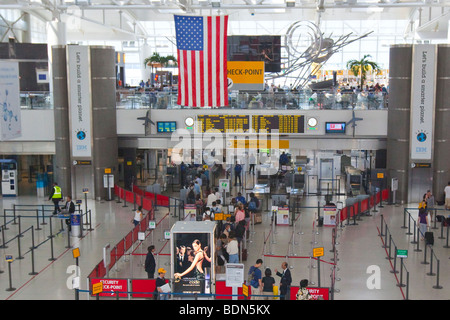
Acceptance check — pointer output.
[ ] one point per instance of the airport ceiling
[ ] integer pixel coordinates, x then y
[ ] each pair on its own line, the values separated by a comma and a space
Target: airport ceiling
128, 18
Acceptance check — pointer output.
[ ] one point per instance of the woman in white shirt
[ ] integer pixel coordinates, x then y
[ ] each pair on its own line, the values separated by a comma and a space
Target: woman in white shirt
138, 216
232, 248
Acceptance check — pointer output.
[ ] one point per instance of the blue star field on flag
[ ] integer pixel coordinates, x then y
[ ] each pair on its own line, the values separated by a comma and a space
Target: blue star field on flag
189, 32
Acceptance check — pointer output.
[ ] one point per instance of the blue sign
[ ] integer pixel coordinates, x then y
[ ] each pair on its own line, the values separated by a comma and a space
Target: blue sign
75, 219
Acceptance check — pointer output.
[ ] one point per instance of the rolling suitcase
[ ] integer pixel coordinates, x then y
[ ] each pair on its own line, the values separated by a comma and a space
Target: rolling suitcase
429, 237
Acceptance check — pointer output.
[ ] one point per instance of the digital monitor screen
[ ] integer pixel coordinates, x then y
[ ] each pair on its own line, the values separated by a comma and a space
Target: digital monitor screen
282, 123
224, 123
335, 127
166, 126
256, 48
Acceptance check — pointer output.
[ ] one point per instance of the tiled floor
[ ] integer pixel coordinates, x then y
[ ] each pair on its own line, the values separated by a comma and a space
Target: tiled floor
363, 270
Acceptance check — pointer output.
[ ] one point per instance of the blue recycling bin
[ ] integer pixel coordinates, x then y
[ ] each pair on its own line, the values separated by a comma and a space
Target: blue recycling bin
75, 224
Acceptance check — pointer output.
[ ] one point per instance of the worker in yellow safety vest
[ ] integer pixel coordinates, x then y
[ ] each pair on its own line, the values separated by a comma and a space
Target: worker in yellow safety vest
56, 197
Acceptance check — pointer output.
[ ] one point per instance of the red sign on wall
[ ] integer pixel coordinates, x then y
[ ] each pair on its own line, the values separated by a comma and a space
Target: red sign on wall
112, 286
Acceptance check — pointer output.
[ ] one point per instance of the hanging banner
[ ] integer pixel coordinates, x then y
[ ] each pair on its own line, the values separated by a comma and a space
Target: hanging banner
10, 124
79, 100
422, 101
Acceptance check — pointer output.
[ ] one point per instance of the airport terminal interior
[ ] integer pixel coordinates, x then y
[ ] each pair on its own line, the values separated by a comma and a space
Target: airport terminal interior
307, 138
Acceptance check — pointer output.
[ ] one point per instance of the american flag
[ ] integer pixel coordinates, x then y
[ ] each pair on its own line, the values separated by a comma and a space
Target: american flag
202, 60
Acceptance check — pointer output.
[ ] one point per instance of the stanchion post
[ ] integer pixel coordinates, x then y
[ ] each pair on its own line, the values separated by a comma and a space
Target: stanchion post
18, 243
90, 221
51, 240
10, 278
43, 216
425, 256
431, 264
32, 252
437, 286
401, 274
404, 219
14, 213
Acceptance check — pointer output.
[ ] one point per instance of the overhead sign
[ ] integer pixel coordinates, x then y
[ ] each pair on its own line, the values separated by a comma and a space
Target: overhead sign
423, 90
79, 100
245, 75
289, 123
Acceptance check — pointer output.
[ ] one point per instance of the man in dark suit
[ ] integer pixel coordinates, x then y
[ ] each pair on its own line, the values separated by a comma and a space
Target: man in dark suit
150, 264
68, 209
285, 282
182, 260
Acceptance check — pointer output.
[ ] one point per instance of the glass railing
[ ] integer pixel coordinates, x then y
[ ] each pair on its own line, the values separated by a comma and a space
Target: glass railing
303, 100
36, 100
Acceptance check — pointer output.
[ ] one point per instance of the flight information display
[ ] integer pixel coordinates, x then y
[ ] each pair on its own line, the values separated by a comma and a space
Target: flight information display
224, 123
282, 123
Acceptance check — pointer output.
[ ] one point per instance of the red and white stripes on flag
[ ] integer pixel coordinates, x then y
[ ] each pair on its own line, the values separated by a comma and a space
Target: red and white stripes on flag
202, 60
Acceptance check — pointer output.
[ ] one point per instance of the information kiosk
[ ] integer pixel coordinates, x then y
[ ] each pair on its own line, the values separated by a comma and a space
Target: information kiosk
9, 177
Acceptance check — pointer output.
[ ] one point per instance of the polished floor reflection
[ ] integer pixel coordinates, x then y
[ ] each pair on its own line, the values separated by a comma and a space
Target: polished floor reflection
362, 272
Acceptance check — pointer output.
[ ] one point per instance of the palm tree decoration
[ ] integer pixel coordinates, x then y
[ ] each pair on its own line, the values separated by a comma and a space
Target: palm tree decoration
159, 61
361, 67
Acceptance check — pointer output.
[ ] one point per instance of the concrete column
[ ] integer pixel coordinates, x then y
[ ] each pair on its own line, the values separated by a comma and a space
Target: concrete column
103, 90
441, 162
62, 162
398, 140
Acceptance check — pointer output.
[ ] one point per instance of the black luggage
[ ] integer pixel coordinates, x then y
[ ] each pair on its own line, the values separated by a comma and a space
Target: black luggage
429, 237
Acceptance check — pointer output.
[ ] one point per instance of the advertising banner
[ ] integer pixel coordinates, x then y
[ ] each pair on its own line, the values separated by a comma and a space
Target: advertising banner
10, 124
192, 263
422, 101
79, 100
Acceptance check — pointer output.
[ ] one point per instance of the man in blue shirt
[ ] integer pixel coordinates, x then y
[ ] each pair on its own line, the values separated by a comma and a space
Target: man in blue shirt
255, 277
237, 174
240, 198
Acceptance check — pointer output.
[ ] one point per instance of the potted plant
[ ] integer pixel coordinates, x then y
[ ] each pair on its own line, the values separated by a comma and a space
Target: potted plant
361, 67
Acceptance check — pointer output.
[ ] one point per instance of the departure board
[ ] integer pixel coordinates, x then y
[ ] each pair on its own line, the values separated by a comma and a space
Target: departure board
282, 123
224, 122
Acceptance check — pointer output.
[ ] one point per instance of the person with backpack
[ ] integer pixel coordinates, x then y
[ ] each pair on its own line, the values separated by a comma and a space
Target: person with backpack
255, 279
253, 203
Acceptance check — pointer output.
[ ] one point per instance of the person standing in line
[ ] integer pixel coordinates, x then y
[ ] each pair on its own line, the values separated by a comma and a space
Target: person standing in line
430, 203
69, 208
239, 213
423, 222
447, 196
232, 248
255, 279
252, 163
161, 281
150, 264
138, 216
303, 293
268, 283
56, 197
237, 174
285, 282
